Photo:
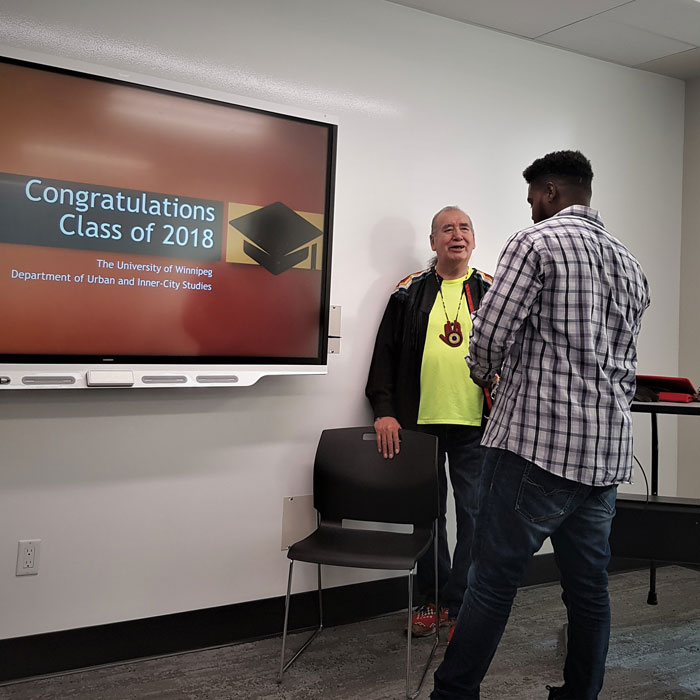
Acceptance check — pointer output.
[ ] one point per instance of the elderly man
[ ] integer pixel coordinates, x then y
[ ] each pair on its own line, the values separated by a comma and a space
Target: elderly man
560, 326
418, 380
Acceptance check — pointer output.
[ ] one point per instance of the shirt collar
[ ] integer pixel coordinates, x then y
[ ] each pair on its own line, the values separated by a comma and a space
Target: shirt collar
582, 211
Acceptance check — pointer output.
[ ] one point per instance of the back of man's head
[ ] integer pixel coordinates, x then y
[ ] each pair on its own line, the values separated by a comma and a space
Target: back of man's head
570, 168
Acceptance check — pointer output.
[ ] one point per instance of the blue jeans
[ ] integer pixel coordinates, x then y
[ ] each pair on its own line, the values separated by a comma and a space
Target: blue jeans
520, 505
462, 446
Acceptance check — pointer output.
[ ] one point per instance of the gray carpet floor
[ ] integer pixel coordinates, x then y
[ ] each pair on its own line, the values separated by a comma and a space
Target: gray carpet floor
654, 655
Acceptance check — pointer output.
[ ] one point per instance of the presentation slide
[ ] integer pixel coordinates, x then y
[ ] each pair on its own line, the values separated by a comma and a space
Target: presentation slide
142, 223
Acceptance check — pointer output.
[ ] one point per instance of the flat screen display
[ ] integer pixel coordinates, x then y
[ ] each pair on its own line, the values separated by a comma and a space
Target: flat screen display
145, 227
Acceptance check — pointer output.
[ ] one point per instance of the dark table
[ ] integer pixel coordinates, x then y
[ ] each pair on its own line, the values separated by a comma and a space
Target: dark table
654, 408
658, 528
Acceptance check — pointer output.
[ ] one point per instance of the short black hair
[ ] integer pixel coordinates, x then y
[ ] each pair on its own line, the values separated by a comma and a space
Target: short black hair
570, 166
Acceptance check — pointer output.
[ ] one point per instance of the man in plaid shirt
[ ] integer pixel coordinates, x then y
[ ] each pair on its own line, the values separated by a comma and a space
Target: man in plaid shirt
559, 327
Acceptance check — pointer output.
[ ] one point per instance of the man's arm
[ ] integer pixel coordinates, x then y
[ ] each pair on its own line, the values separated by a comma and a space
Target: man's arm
483, 383
380, 383
517, 282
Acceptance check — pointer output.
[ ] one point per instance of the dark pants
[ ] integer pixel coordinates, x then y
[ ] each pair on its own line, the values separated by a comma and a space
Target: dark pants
520, 505
461, 444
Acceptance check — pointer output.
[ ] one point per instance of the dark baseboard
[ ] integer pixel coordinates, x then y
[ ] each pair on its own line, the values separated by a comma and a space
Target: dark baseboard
55, 652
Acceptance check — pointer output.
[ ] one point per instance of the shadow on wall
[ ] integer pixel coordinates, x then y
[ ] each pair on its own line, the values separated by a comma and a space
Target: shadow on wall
393, 256
396, 251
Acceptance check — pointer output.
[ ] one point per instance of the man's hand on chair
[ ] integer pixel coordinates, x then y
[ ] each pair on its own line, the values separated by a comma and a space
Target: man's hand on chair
387, 429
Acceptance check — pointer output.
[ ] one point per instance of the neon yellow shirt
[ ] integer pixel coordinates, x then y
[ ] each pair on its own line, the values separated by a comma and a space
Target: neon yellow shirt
447, 393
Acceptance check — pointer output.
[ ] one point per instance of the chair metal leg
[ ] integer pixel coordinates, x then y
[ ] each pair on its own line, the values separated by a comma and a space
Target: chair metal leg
320, 599
409, 634
314, 634
412, 695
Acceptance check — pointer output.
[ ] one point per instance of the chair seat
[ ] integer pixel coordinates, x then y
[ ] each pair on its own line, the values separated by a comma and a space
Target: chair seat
366, 549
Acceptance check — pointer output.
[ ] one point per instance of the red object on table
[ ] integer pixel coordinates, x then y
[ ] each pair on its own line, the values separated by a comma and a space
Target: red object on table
678, 389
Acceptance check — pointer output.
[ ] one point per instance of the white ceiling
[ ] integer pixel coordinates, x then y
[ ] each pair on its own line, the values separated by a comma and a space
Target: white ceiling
661, 36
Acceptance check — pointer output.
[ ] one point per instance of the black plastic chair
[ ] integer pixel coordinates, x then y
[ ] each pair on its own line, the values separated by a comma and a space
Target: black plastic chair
353, 481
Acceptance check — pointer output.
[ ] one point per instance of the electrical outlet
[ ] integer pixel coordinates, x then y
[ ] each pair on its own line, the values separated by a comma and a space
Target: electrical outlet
28, 557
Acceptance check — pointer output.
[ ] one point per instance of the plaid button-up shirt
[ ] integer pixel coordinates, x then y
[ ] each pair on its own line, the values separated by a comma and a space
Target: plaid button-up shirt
560, 325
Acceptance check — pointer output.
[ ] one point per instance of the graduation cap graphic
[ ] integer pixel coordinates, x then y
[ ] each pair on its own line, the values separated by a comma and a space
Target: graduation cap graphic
275, 236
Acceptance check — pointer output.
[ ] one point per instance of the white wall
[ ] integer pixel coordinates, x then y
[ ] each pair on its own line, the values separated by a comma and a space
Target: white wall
150, 502
689, 358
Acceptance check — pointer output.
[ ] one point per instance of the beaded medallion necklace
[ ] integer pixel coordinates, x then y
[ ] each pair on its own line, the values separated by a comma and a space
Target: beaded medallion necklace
453, 329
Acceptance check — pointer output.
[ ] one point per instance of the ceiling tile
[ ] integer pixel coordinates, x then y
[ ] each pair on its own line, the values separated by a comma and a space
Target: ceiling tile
684, 65
614, 41
677, 19
528, 19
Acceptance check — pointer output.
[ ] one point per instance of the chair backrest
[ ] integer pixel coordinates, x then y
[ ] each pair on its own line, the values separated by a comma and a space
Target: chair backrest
353, 480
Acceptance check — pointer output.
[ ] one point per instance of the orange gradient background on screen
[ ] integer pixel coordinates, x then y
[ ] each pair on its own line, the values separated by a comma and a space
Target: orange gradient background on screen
101, 133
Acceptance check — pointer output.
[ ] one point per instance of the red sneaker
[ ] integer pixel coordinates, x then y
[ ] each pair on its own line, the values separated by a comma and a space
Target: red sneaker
453, 624
424, 619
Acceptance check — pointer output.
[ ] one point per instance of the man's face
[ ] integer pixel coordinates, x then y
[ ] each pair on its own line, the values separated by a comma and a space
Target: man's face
537, 198
453, 239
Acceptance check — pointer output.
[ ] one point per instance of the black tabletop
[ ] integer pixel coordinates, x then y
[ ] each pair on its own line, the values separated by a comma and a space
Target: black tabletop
669, 407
